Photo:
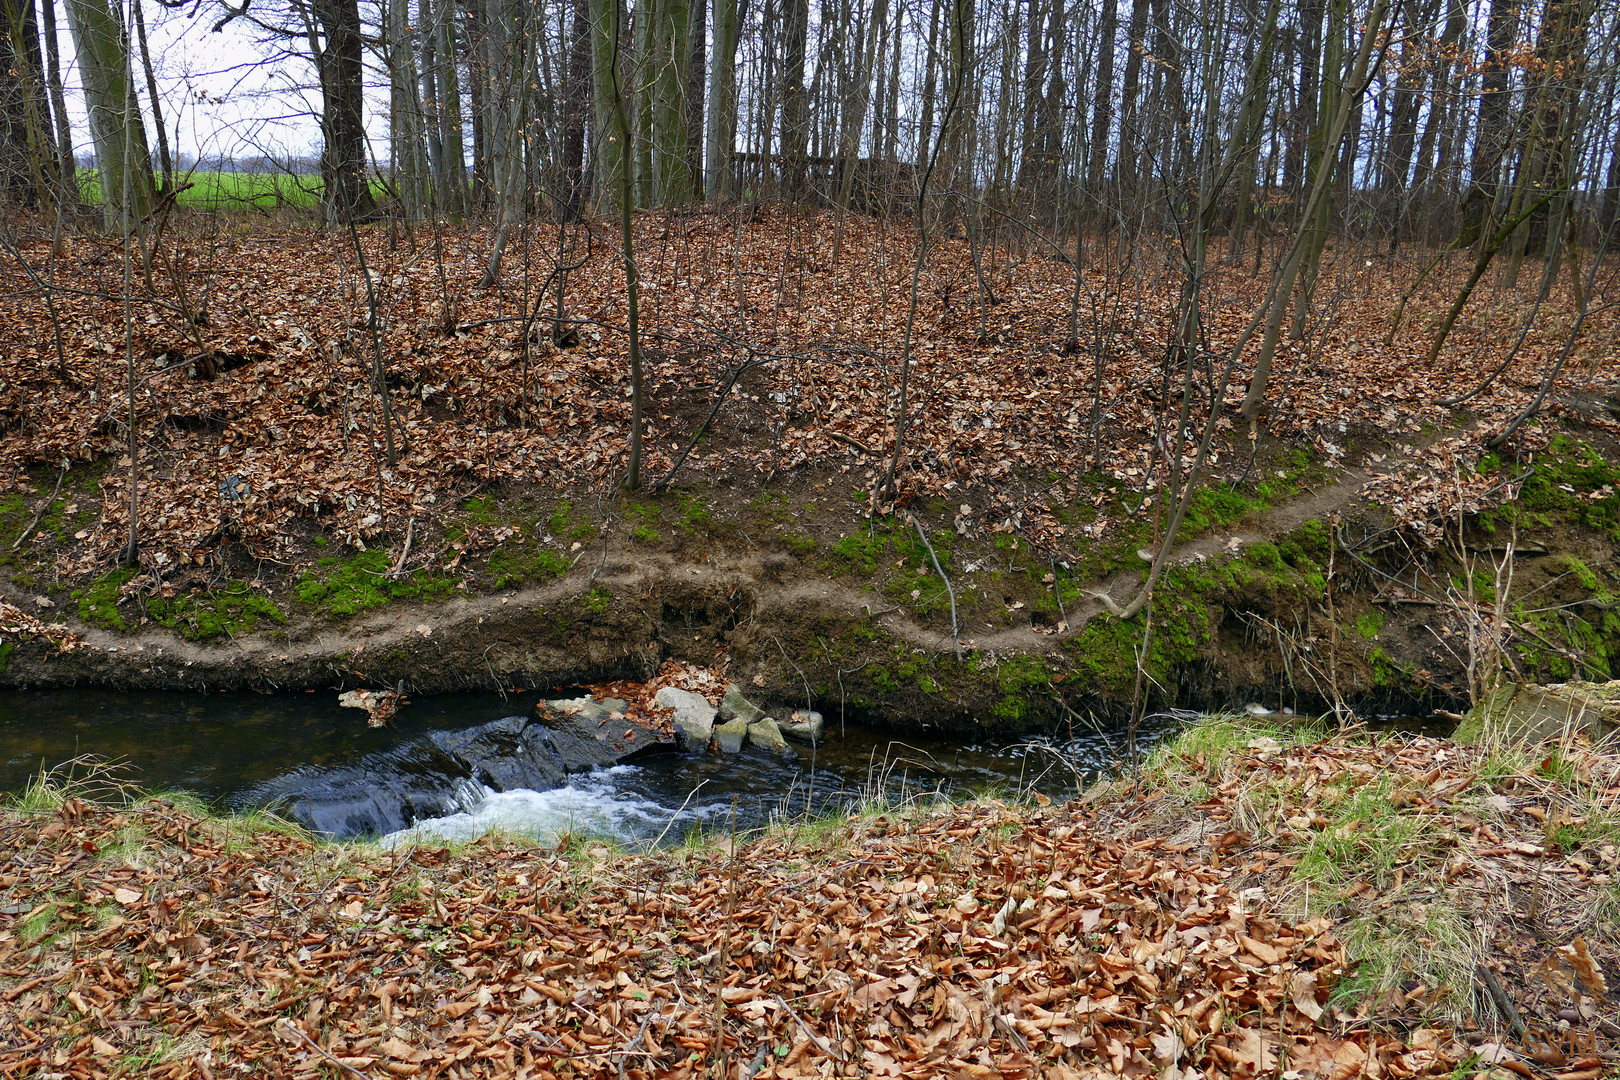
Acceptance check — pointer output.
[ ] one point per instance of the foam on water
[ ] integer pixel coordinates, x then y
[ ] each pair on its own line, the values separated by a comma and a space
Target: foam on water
591, 804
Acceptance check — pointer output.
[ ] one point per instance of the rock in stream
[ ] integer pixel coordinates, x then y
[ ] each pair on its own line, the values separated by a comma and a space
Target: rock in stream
449, 772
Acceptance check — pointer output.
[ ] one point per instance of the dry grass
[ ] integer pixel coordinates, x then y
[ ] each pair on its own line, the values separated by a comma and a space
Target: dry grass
1435, 860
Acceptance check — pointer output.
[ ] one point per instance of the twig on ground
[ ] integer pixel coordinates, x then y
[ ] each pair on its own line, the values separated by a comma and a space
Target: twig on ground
1504, 1004
319, 1049
39, 515
956, 633
847, 441
410, 533
821, 1042
629, 1051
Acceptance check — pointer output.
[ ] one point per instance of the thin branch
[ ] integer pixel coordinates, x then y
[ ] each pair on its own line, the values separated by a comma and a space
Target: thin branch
40, 513
956, 633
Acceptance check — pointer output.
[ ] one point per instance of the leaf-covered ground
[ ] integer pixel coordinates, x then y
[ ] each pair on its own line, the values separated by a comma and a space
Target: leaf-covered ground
1135, 933
289, 439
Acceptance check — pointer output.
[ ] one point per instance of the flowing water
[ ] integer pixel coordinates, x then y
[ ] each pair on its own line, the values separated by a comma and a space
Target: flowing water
238, 750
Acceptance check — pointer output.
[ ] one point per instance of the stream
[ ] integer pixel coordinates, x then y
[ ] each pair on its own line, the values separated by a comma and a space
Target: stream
301, 751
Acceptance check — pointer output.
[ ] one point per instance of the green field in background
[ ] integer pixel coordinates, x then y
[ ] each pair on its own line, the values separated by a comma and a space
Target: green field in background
229, 190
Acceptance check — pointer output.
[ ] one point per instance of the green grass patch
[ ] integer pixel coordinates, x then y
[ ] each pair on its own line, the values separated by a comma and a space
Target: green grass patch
38, 927
482, 510
907, 568
1216, 507
1310, 544
1369, 852
695, 514
13, 516
799, 544
856, 553
1018, 680
1387, 671
1557, 645
1572, 481
1202, 749
1104, 653
1367, 834
1264, 556
645, 518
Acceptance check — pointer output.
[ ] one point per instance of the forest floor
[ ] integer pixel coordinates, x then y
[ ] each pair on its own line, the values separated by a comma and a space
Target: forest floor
279, 547
1252, 901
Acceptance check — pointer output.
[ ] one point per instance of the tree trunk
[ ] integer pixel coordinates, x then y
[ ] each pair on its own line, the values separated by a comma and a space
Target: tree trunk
1490, 140
1339, 92
1282, 288
1034, 86
510, 58
1396, 166
795, 112
1434, 152
891, 114
632, 288
578, 107
115, 119
28, 160
1610, 211
696, 70
1306, 116
345, 193
411, 172
855, 120
441, 90
722, 100
930, 85
64, 127
671, 53
1130, 135
606, 21
1044, 148
1102, 103
165, 162
476, 38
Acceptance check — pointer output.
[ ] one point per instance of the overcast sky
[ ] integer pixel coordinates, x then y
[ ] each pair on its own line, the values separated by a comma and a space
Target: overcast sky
222, 94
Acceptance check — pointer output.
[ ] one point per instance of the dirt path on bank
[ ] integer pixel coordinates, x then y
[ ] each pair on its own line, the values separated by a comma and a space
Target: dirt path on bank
480, 639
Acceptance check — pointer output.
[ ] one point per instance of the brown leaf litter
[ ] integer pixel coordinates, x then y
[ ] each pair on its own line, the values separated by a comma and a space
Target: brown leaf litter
1119, 936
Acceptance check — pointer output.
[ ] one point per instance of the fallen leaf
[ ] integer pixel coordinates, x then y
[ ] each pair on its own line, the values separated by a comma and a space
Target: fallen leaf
1302, 991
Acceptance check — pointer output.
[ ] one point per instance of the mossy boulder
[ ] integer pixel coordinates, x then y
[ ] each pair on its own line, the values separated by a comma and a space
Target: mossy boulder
731, 735
1529, 712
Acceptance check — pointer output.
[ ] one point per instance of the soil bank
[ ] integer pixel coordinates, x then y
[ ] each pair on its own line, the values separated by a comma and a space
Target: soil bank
1291, 591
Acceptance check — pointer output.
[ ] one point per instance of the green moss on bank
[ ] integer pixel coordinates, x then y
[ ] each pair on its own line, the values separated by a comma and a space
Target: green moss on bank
1572, 480
227, 612
340, 587
514, 565
1018, 679
98, 601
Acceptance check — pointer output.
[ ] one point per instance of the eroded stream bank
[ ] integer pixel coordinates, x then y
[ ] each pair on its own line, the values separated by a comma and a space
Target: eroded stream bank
1239, 622
1314, 585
